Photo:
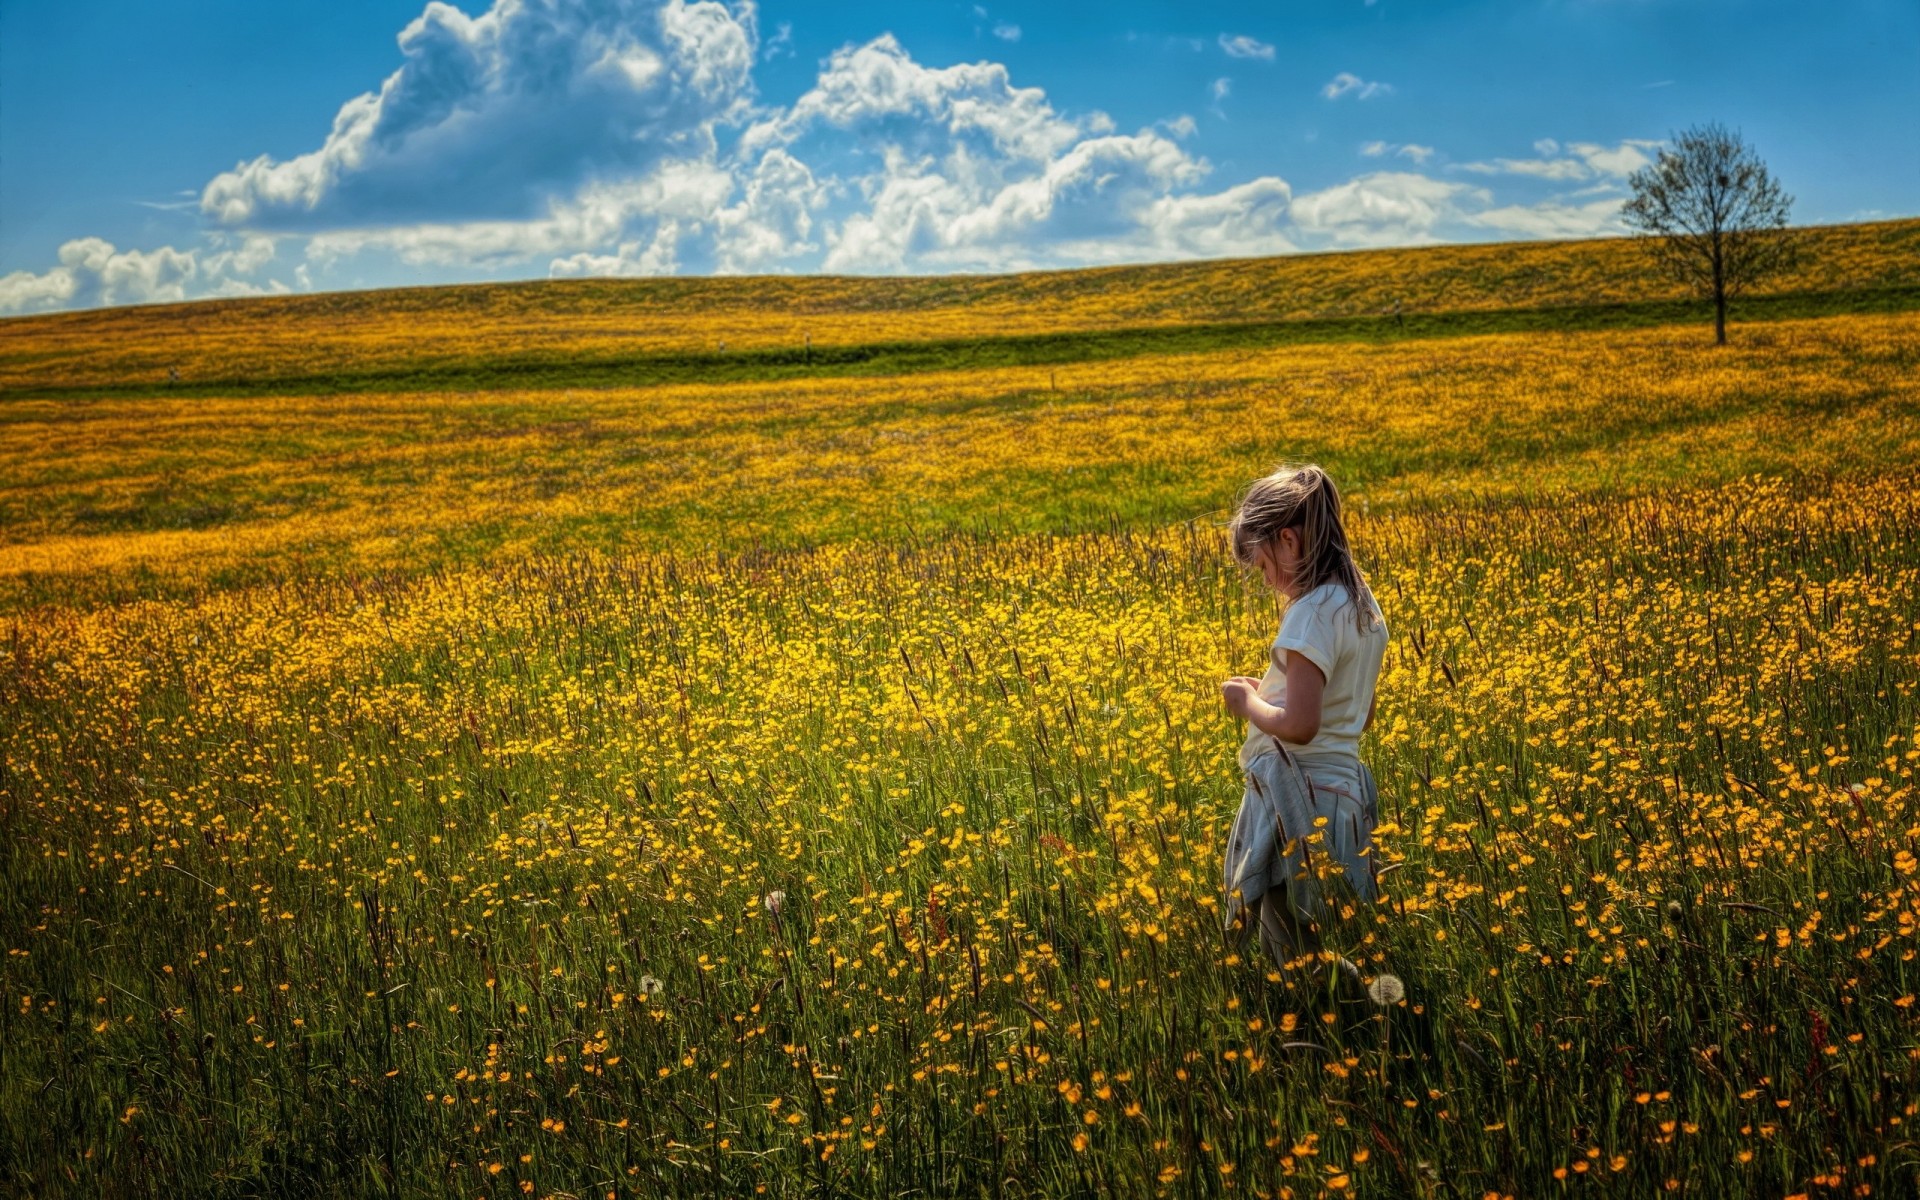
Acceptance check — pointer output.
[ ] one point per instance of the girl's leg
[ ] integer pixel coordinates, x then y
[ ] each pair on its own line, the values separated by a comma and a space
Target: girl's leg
1283, 935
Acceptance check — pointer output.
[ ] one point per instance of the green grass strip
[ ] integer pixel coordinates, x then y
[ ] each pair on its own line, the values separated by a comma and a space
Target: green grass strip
545, 372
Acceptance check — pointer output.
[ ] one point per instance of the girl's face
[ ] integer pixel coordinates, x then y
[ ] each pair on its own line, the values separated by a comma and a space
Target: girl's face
1279, 560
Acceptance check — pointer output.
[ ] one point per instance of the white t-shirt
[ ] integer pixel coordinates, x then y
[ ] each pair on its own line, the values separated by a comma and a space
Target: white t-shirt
1321, 625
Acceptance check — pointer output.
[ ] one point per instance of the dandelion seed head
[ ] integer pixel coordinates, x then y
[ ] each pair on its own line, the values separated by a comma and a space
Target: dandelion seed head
1387, 990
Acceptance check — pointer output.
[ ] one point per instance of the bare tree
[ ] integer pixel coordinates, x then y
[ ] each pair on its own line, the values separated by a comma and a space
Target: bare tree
1713, 215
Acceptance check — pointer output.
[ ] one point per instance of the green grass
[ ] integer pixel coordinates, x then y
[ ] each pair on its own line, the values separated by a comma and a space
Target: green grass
508, 369
352, 752
294, 848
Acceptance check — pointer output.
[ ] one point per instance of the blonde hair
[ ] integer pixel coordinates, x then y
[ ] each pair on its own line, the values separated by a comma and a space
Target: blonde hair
1302, 498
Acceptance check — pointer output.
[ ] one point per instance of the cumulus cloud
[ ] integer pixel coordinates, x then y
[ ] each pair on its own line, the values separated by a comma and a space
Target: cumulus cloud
625, 137
1250, 218
880, 89
1242, 46
489, 116
1084, 204
1089, 220
680, 193
92, 273
1385, 208
654, 255
773, 220
1346, 83
958, 168
582, 133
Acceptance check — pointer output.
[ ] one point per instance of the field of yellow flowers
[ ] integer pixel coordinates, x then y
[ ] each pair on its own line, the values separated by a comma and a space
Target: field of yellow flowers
361, 339
818, 787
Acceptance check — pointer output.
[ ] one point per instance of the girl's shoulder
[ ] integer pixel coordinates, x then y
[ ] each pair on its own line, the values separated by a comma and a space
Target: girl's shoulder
1332, 606
1328, 596
1327, 600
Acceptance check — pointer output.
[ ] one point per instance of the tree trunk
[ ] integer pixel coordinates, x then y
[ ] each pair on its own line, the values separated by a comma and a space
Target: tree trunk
1719, 293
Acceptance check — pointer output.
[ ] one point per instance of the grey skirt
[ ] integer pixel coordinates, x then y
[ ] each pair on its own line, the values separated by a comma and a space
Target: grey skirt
1276, 869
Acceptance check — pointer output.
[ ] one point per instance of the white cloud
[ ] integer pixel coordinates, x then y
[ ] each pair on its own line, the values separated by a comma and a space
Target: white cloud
1006, 31
1619, 161
956, 168
1553, 219
1580, 161
1242, 46
941, 168
780, 45
883, 164
1104, 202
1418, 153
188, 203
1083, 205
231, 288
92, 272
1386, 208
655, 255
588, 127
235, 257
879, 87
490, 116
1247, 219
1346, 83
684, 194
774, 219
1538, 168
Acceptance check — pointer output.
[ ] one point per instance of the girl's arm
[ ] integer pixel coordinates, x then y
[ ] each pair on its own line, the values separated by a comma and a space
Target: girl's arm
1299, 721
1370, 703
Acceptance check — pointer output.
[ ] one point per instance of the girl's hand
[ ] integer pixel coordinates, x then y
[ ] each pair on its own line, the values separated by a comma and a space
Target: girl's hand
1239, 693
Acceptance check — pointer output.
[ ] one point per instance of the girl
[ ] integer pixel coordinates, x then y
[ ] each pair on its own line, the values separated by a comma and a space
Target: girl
1303, 772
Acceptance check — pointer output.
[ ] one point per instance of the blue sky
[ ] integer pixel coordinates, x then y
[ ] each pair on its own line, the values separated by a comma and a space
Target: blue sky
160, 152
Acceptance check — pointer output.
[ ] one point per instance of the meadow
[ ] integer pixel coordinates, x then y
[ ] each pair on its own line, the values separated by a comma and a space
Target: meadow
811, 779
